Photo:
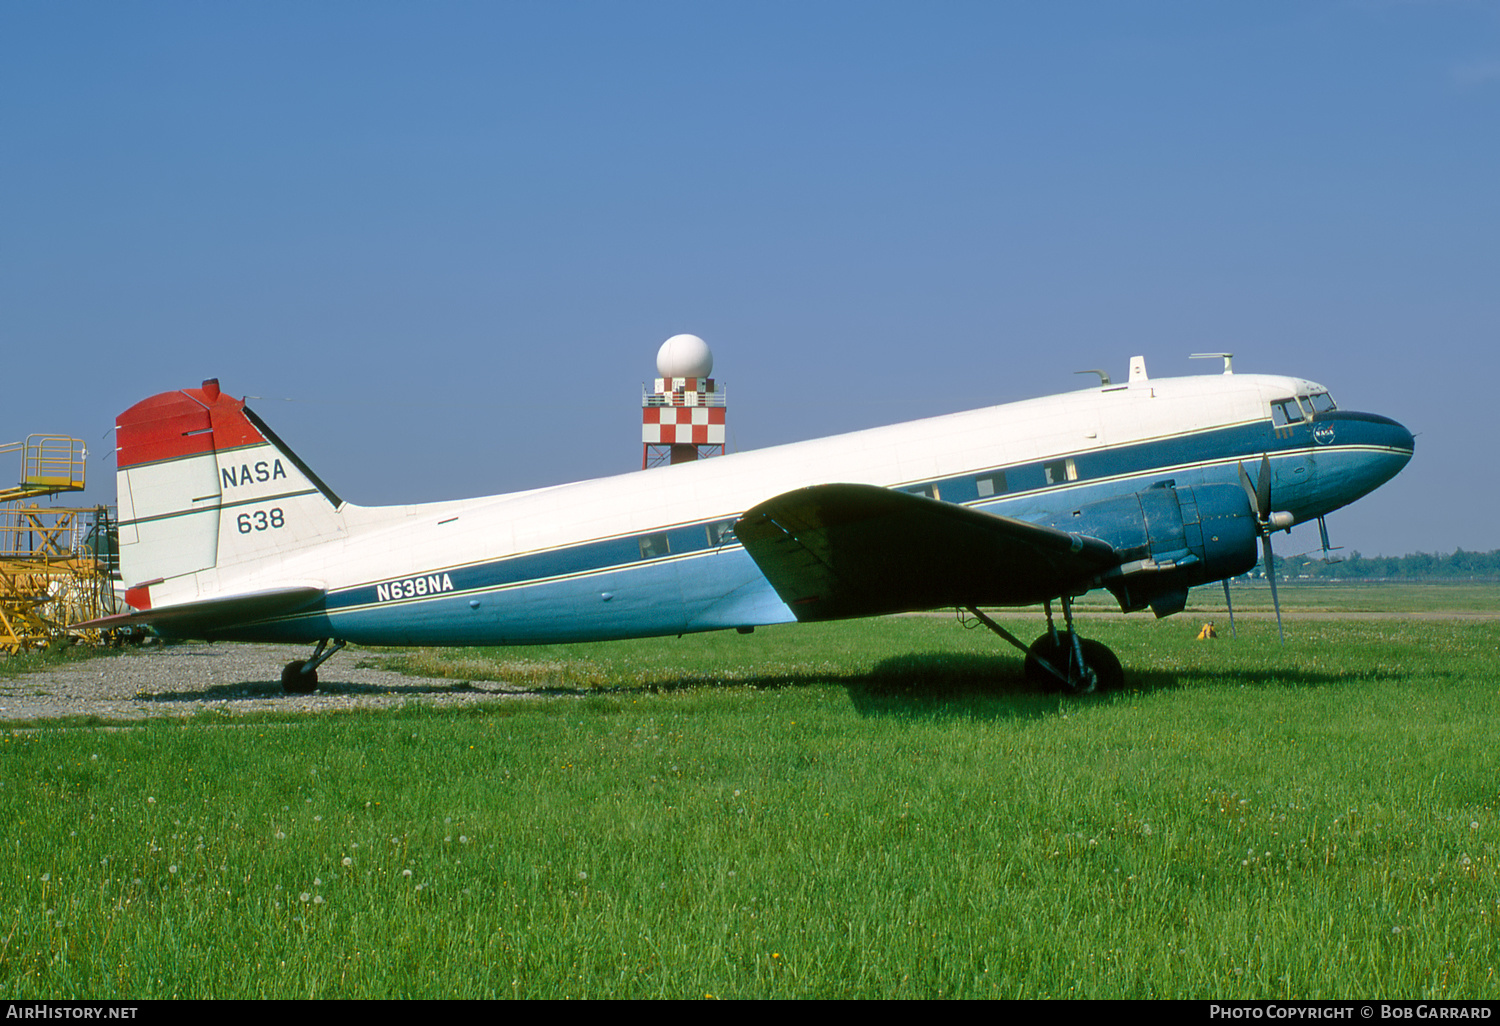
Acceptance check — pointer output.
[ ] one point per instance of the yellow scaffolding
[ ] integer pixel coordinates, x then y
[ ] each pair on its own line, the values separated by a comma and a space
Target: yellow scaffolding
55, 562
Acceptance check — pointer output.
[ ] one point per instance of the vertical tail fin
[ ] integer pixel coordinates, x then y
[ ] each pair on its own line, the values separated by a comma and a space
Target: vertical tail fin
205, 485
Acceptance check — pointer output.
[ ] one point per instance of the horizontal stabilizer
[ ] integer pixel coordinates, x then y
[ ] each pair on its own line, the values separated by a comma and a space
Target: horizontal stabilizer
216, 615
844, 550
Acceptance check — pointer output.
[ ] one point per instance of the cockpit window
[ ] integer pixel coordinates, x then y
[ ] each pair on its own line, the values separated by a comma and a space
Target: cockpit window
1285, 411
1322, 402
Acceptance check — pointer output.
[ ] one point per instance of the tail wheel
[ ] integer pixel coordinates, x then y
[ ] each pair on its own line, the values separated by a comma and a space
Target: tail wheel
1101, 669
297, 681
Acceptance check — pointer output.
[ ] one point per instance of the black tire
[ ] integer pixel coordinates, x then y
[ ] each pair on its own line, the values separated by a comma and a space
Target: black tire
1039, 676
1109, 675
1103, 671
296, 682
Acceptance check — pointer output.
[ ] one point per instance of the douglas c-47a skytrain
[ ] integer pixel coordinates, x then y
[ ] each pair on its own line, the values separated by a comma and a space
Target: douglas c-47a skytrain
1145, 488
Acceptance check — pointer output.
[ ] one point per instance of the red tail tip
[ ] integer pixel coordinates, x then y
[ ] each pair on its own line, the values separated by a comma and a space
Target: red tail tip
211, 389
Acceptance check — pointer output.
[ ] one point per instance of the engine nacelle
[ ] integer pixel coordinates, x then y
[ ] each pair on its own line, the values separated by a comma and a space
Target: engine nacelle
1171, 539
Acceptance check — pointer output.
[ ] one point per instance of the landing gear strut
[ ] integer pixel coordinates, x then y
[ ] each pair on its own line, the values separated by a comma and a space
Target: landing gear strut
300, 677
1061, 659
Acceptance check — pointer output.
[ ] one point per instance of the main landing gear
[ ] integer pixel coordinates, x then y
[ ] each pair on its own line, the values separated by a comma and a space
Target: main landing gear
300, 677
1063, 660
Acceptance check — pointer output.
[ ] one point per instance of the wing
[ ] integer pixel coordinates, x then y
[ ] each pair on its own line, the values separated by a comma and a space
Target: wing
842, 550
211, 616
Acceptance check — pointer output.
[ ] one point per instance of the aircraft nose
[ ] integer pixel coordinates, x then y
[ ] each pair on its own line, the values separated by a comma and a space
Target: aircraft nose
1405, 439
1367, 429
1364, 450
1394, 435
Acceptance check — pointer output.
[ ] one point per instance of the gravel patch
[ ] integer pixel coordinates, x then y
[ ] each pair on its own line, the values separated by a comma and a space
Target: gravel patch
185, 680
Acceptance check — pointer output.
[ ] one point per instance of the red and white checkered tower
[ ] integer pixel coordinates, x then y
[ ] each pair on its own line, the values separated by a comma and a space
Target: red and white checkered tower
683, 419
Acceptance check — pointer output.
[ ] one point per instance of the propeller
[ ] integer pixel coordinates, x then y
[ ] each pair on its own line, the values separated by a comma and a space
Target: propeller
1259, 494
1229, 603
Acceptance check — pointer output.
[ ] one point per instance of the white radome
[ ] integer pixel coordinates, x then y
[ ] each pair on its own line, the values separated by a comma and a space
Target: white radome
684, 356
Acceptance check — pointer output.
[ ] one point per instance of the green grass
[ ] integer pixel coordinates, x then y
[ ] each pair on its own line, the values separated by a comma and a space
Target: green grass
1307, 596
1321, 597
870, 809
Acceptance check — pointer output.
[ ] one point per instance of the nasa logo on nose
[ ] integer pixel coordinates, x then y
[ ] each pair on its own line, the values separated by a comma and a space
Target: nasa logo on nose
1323, 434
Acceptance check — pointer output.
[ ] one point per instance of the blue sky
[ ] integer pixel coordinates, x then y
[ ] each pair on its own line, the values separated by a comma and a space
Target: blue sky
444, 240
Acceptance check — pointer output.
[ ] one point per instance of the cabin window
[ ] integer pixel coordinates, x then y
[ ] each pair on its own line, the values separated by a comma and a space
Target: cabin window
654, 546
931, 491
1285, 411
1322, 402
1059, 471
990, 484
720, 533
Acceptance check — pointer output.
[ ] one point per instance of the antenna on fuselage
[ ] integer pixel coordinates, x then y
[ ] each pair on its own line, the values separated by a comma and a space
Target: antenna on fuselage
1228, 359
1103, 377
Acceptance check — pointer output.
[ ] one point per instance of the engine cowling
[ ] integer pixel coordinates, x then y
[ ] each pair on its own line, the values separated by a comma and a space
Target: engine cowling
1171, 539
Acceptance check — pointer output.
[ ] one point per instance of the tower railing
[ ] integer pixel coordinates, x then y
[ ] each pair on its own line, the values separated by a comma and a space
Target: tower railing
49, 464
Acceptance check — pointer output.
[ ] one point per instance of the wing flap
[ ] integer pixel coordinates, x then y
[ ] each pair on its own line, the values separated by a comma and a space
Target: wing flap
842, 550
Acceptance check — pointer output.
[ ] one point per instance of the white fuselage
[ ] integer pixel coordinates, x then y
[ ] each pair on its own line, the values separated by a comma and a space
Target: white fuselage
643, 553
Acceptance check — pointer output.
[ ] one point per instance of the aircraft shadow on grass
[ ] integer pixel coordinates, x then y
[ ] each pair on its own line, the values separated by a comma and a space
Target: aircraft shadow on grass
996, 687
254, 689
918, 684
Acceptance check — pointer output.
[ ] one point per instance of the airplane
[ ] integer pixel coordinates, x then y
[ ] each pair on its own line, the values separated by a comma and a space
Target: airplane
1141, 488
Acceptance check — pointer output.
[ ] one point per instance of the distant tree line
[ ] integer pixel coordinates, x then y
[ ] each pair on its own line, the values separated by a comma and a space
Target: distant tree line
1417, 566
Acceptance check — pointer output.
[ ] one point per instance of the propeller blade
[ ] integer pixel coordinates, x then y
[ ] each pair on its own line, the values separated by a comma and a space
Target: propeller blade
1263, 489
1259, 494
1250, 492
1265, 540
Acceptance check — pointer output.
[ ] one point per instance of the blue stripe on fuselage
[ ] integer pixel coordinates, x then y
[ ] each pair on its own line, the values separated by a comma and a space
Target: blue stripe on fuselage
710, 590
559, 594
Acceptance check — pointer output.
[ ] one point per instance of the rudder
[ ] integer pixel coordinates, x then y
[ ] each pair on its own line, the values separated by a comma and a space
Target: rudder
203, 485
